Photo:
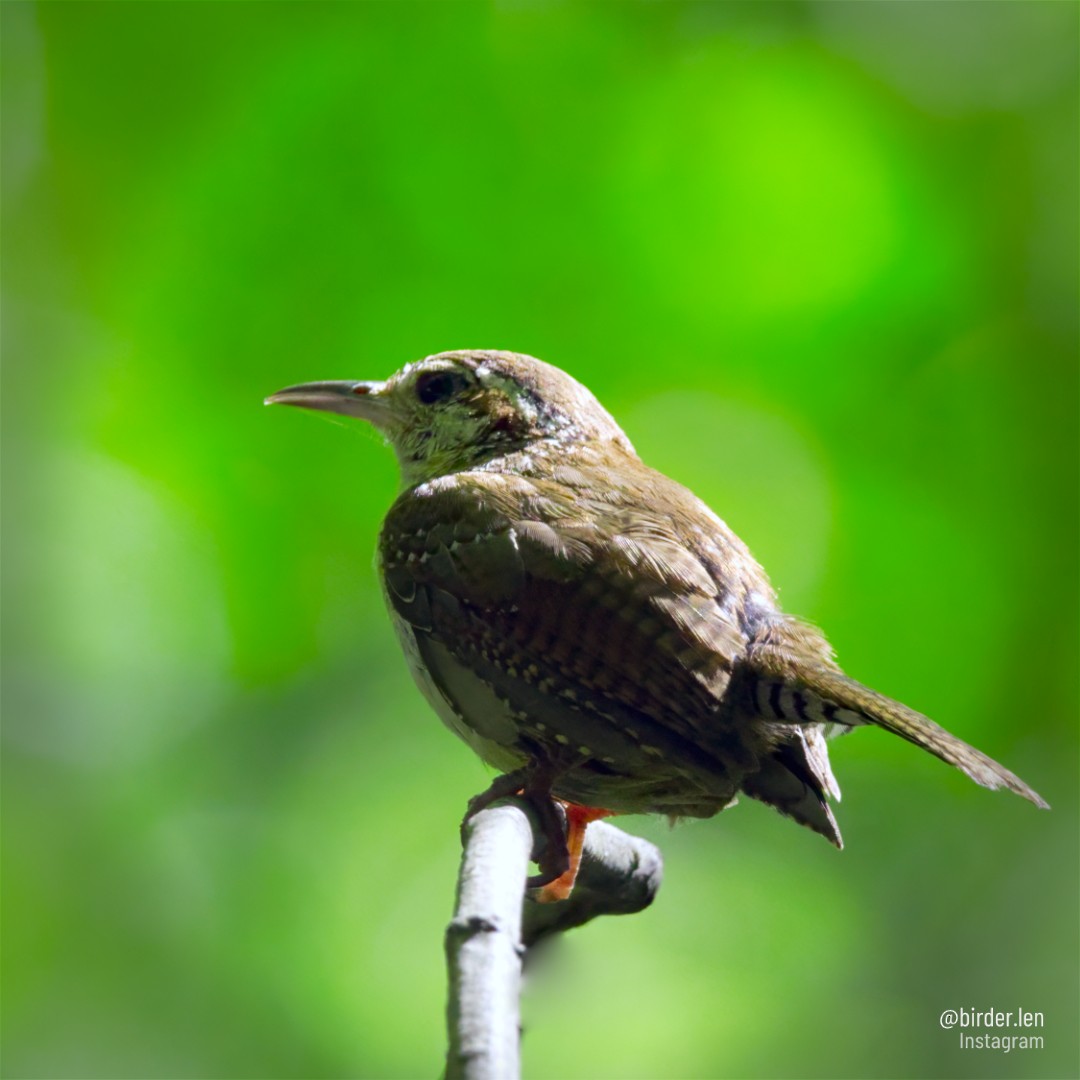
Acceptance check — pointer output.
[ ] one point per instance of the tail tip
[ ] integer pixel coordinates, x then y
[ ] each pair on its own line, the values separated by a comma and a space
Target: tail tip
999, 778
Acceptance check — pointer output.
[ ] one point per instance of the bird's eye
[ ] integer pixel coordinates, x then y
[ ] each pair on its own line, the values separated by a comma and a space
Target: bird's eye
436, 386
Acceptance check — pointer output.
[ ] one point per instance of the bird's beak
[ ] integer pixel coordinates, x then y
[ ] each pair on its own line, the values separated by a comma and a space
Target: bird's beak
365, 400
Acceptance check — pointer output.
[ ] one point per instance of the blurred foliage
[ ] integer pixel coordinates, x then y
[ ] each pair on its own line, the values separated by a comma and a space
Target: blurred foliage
819, 258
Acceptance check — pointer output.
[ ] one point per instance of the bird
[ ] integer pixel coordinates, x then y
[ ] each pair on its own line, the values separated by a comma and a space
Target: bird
589, 626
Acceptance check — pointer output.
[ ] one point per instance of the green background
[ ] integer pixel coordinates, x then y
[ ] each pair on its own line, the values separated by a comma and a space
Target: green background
820, 261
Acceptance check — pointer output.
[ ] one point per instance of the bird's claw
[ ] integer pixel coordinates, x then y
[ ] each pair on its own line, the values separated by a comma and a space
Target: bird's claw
552, 854
553, 859
510, 783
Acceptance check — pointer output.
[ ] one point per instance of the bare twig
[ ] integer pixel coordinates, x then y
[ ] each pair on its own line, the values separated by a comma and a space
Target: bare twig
619, 875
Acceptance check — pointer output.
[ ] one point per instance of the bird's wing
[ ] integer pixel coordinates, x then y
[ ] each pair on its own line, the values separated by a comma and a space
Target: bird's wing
607, 612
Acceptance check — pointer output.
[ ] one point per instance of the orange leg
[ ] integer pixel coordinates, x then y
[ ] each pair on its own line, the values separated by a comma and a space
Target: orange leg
577, 821
553, 882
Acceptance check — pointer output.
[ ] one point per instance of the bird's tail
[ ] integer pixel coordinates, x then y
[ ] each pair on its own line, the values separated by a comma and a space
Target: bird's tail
820, 694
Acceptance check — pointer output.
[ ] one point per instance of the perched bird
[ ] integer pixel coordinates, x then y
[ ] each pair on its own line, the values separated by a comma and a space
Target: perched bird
588, 625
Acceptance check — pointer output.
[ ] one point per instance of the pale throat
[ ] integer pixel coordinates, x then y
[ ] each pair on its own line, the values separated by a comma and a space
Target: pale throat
456, 441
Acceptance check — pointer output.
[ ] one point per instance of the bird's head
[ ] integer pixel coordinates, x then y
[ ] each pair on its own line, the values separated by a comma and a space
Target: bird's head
458, 410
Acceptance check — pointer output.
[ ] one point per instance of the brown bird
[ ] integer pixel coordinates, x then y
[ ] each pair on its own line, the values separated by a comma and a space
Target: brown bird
588, 625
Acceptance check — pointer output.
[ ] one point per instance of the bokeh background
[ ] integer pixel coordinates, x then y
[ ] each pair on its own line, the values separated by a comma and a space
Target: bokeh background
820, 259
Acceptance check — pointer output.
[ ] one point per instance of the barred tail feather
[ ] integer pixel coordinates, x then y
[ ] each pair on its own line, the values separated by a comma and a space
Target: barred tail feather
824, 695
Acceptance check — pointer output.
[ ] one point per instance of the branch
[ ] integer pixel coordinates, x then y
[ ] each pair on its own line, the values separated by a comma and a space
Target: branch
620, 874
483, 946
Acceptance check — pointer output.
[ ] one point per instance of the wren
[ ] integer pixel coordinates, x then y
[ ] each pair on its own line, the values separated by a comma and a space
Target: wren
588, 625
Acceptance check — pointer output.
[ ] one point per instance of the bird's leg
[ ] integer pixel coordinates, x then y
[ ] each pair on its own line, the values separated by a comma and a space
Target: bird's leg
563, 833
533, 784
561, 857
554, 860
577, 821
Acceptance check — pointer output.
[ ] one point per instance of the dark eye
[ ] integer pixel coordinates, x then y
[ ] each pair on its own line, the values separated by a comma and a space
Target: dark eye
435, 386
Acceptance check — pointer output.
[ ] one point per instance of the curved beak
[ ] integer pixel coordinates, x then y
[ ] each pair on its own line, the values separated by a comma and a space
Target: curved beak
365, 400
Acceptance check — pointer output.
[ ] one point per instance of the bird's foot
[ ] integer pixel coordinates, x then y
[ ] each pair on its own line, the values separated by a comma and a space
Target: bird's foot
559, 887
511, 783
534, 786
562, 832
555, 857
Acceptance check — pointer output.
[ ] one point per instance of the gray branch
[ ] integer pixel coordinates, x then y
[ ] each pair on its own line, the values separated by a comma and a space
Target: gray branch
485, 944
620, 875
